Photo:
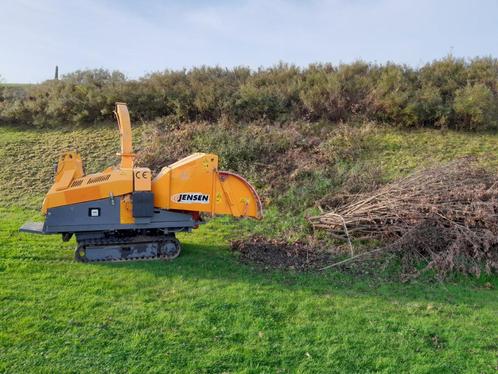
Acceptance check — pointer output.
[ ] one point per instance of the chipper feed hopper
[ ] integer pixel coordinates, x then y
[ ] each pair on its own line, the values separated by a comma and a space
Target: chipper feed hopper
123, 213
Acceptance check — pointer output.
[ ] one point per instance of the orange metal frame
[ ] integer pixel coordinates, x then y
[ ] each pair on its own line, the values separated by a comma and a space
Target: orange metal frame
191, 184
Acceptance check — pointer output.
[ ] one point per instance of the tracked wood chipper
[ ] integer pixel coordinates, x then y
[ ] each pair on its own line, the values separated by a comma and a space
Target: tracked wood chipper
123, 213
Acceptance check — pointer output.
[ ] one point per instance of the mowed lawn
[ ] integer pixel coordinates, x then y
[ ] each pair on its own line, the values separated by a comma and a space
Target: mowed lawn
206, 312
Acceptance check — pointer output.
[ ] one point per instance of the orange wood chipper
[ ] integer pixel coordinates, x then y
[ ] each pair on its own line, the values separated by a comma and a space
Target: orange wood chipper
123, 213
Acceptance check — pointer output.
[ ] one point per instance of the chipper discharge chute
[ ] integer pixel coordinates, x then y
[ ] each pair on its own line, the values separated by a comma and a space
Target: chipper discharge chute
123, 213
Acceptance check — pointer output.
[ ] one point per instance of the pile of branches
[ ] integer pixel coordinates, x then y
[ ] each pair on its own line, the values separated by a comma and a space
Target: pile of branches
446, 216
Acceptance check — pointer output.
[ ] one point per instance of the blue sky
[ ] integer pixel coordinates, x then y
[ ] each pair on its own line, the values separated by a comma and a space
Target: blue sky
139, 37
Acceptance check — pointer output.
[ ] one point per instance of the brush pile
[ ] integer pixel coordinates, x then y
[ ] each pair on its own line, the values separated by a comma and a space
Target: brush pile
445, 216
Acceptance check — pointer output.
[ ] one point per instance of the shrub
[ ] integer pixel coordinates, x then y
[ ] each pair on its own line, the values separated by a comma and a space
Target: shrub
476, 107
398, 95
239, 147
337, 93
438, 83
484, 70
269, 94
321, 94
163, 94
164, 143
392, 97
215, 91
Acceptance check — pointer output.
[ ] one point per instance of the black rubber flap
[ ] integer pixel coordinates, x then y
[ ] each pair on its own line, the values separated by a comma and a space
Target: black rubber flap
143, 204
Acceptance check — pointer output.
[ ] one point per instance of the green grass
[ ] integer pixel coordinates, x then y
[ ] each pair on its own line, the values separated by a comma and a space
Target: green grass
28, 157
400, 152
206, 312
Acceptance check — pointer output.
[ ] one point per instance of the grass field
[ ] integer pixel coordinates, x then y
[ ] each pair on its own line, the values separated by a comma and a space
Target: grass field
206, 312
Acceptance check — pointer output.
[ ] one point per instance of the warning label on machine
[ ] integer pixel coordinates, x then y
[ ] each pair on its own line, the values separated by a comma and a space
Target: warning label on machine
190, 197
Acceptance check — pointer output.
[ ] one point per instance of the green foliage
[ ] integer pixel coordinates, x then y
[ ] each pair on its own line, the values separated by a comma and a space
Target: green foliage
476, 106
239, 148
321, 93
269, 94
392, 98
81, 97
435, 95
217, 91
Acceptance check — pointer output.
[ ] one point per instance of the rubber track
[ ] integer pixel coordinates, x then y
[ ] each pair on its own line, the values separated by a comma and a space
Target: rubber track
124, 241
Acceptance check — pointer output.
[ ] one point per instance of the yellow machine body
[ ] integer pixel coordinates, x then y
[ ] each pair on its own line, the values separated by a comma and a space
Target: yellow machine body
195, 184
192, 184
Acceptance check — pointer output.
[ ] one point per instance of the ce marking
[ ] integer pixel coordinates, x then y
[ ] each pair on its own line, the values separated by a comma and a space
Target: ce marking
141, 174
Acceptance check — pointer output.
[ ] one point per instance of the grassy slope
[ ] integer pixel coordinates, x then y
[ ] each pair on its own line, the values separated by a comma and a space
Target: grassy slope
205, 311
396, 153
28, 158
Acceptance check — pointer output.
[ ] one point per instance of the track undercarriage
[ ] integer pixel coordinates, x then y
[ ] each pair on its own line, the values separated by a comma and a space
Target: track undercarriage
119, 247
